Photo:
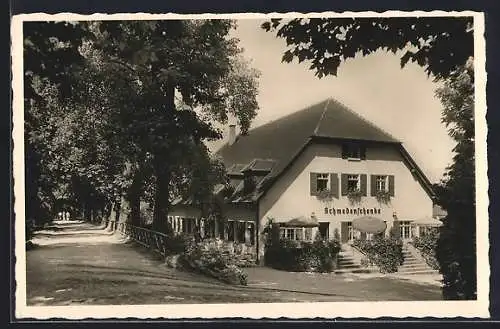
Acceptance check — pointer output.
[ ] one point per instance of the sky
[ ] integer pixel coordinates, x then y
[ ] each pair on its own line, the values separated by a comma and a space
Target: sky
400, 101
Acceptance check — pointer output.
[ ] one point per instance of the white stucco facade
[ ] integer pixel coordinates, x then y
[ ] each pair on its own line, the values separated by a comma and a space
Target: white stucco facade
290, 196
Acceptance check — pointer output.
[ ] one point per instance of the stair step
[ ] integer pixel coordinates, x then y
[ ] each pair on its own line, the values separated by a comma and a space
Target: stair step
413, 265
349, 266
419, 272
410, 268
412, 261
346, 260
359, 270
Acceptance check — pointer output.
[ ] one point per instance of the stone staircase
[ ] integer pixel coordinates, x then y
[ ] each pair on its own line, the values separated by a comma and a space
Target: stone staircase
413, 264
350, 262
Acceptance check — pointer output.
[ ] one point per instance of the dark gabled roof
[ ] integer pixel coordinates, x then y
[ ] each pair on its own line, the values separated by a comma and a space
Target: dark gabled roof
281, 139
275, 145
260, 165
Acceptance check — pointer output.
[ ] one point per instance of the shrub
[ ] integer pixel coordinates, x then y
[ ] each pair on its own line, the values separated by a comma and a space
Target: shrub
386, 253
427, 245
211, 260
177, 244
317, 256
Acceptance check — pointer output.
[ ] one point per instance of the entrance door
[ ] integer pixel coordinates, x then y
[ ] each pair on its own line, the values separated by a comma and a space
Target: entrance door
323, 230
405, 230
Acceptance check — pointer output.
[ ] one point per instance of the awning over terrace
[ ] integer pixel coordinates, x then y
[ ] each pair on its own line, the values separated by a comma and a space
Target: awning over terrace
428, 221
368, 224
302, 221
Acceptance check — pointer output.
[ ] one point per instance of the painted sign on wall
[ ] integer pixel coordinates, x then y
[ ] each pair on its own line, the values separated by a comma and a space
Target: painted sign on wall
352, 211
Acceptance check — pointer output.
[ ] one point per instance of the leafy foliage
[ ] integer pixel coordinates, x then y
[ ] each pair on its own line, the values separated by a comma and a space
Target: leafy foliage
427, 245
440, 44
324, 195
443, 46
116, 110
383, 197
290, 255
386, 253
456, 249
209, 259
354, 196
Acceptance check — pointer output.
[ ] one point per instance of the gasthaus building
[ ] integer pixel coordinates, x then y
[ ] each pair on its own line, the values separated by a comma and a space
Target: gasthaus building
324, 171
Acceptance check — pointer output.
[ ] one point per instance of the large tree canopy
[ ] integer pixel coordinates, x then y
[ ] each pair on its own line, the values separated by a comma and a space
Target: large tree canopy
440, 44
456, 247
103, 107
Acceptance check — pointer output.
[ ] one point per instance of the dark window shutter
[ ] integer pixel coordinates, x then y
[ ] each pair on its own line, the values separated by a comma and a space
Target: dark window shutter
334, 185
395, 229
344, 151
344, 237
343, 183
373, 185
362, 152
363, 184
391, 185
314, 183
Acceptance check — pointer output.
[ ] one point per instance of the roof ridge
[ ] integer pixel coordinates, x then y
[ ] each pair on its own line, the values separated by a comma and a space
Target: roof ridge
364, 119
289, 114
315, 131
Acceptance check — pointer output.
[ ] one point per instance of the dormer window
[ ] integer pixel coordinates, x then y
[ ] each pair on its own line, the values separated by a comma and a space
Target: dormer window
353, 151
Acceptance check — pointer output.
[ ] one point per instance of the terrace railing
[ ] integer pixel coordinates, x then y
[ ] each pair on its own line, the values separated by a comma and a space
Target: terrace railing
148, 238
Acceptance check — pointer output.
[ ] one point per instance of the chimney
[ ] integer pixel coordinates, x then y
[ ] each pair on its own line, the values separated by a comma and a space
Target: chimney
232, 134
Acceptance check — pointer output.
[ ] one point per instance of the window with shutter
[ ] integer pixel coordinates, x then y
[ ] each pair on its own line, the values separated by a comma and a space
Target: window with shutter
353, 182
373, 180
363, 184
343, 181
391, 185
334, 185
312, 183
322, 182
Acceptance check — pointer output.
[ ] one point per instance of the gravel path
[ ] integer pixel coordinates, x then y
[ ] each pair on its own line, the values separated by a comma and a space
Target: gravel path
79, 263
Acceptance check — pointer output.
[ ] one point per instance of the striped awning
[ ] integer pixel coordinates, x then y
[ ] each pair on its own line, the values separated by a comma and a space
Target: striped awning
368, 224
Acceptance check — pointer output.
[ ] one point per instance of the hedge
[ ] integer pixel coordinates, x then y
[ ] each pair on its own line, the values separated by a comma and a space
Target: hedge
303, 256
385, 253
427, 245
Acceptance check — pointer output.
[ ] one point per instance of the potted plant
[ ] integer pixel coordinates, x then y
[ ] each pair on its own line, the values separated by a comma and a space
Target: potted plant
354, 196
383, 197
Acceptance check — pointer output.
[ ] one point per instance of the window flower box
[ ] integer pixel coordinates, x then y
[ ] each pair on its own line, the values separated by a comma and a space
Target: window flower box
354, 196
324, 195
383, 197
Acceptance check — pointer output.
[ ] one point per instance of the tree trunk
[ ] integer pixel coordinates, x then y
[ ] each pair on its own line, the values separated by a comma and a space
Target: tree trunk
134, 199
163, 173
161, 202
117, 208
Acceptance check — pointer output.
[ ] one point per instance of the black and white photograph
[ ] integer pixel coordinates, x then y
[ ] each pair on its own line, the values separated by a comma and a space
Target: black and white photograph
250, 165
